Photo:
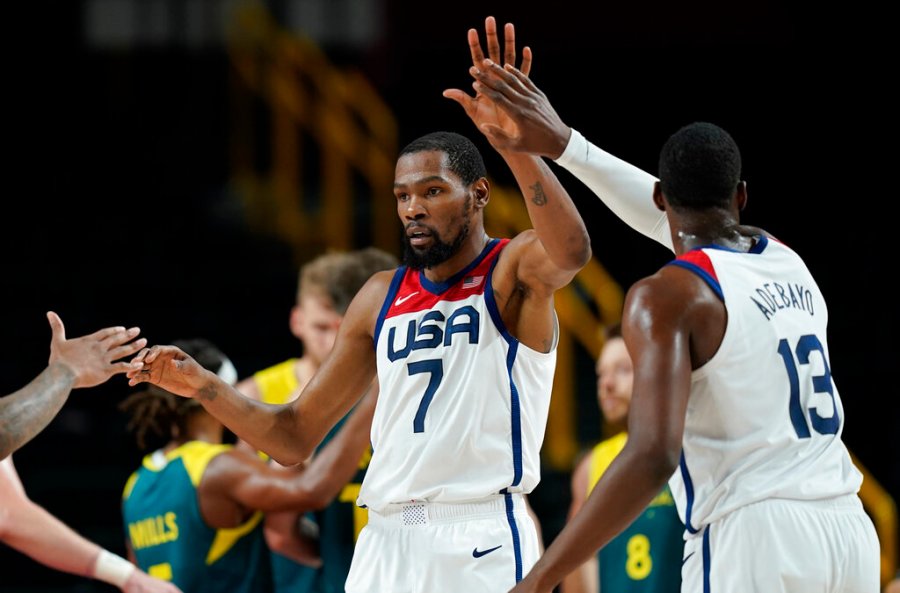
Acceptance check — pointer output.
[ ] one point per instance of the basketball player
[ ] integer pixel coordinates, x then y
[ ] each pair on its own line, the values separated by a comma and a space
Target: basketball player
86, 361
33, 531
464, 340
193, 511
325, 287
646, 557
733, 395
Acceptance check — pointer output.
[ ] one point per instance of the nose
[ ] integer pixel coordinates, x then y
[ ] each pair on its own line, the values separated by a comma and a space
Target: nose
414, 209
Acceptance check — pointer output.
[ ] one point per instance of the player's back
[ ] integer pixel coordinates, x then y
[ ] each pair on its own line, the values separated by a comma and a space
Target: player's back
764, 419
172, 541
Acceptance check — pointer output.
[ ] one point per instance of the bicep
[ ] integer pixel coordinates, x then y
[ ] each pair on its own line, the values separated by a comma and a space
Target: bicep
658, 340
529, 264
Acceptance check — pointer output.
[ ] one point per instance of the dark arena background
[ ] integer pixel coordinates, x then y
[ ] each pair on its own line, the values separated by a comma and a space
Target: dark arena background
170, 163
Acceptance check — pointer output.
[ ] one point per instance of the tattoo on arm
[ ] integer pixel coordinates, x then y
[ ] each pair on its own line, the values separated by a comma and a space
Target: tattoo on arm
29, 410
539, 198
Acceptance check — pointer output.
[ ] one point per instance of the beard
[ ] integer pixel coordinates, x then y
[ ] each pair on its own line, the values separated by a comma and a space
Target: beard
437, 253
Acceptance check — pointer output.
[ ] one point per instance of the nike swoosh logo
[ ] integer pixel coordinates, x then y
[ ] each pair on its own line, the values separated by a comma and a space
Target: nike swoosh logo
477, 554
686, 558
403, 299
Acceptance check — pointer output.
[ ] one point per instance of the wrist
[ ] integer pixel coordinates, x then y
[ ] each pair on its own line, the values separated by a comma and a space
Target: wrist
112, 569
561, 140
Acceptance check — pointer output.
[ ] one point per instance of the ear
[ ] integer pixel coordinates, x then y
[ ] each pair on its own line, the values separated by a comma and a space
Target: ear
658, 198
296, 321
741, 195
482, 192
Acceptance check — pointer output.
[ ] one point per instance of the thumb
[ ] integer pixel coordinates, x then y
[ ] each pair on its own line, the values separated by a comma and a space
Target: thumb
458, 96
56, 326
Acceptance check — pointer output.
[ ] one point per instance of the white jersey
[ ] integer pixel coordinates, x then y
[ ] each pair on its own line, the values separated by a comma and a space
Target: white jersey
764, 418
462, 405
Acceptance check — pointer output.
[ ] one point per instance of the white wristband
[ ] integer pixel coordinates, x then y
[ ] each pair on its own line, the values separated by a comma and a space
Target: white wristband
112, 569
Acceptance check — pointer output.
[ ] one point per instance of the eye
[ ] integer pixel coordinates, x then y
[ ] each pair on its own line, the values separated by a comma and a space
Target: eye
402, 197
433, 191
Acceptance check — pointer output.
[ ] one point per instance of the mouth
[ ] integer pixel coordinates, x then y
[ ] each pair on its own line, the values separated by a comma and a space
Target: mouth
418, 236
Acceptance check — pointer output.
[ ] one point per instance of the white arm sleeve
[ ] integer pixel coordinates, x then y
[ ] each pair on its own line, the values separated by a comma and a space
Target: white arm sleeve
625, 189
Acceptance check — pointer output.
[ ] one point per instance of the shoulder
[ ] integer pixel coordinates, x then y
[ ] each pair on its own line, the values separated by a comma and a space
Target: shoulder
673, 292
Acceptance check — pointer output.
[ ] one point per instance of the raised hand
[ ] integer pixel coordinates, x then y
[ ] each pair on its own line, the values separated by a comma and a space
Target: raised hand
92, 358
481, 109
531, 123
171, 369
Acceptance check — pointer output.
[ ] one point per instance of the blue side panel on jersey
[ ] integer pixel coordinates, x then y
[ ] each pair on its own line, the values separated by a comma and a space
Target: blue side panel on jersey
492, 306
517, 546
516, 413
515, 408
439, 288
706, 559
391, 293
713, 283
689, 492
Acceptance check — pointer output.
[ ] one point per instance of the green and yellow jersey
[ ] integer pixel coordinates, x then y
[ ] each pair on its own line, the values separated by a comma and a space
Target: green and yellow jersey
646, 557
171, 540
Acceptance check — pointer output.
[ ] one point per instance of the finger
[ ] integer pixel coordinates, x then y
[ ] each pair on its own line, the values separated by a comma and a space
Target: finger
120, 336
128, 368
497, 96
127, 349
141, 356
509, 44
511, 80
475, 47
151, 354
499, 81
493, 42
522, 80
57, 329
106, 333
526, 61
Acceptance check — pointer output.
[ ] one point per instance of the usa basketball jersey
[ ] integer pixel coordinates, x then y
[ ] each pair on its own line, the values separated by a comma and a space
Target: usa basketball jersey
462, 406
764, 418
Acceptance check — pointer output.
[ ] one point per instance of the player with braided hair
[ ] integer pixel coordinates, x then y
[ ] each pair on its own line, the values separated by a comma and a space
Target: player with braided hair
193, 510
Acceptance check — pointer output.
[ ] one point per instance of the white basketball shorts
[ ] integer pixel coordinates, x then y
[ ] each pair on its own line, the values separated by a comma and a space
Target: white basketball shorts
785, 546
476, 547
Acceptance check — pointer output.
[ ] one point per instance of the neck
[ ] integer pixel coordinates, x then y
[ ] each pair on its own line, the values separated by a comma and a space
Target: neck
713, 227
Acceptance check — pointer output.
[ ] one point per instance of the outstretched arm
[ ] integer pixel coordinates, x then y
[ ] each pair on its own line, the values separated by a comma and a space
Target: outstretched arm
78, 362
538, 129
32, 530
290, 432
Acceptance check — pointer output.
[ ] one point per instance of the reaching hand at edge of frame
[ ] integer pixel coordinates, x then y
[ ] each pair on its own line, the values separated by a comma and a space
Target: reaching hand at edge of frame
92, 358
528, 123
171, 369
141, 582
484, 112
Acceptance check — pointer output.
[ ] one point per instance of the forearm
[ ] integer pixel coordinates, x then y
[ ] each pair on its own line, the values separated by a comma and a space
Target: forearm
622, 187
29, 410
36, 533
336, 464
266, 427
621, 495
553, 215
